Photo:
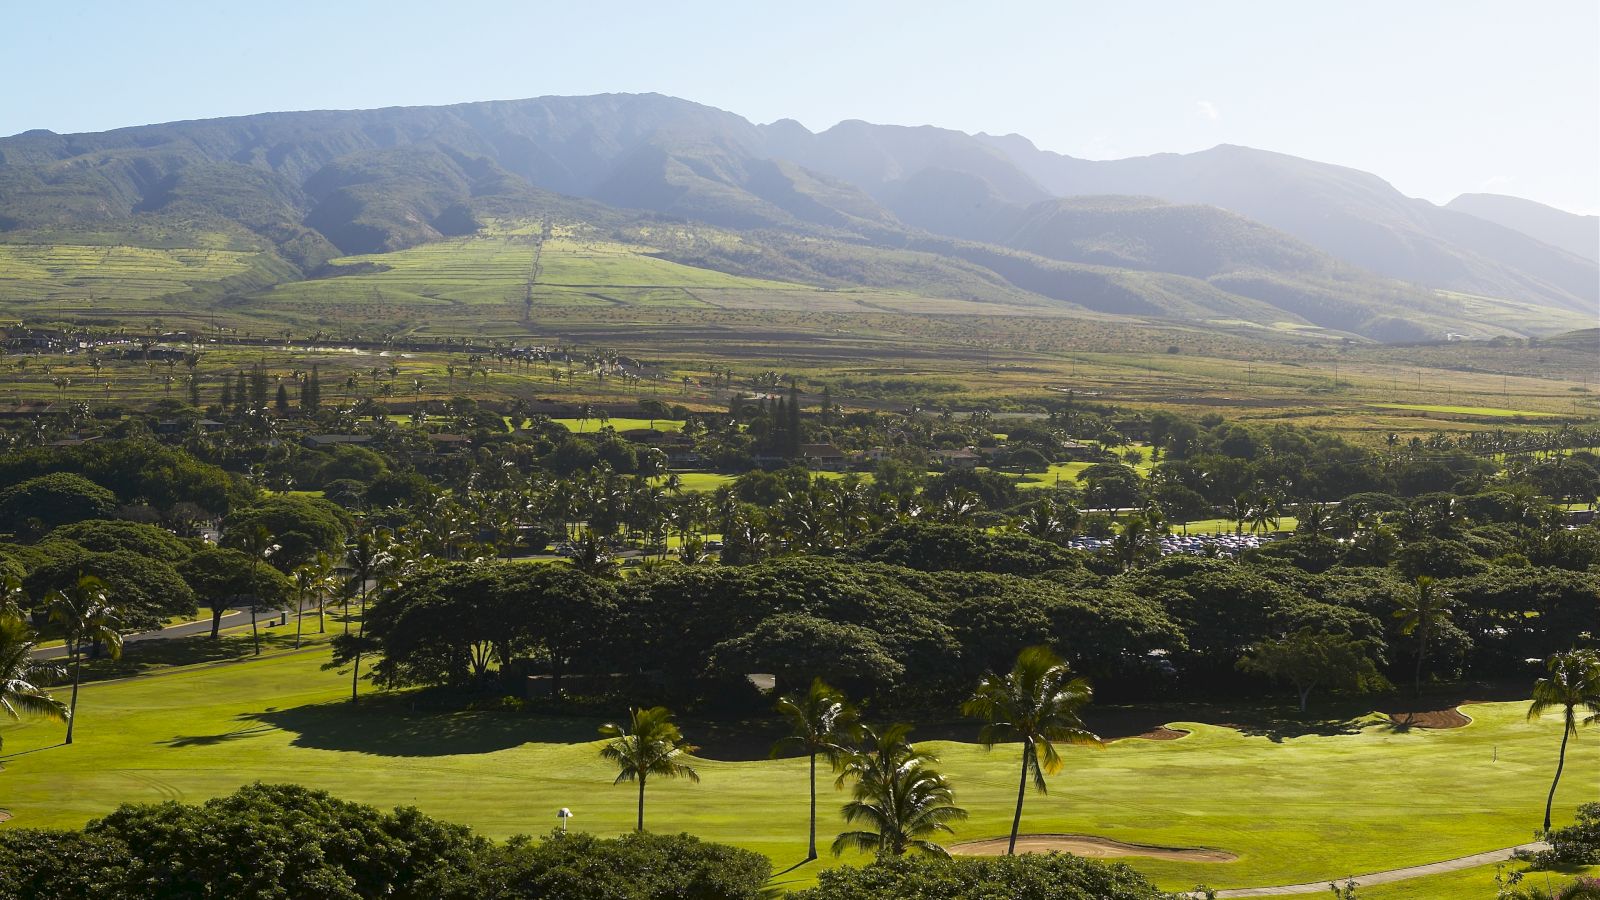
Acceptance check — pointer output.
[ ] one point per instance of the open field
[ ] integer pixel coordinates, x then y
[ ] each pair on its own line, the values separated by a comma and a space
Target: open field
873, 348
1295, 801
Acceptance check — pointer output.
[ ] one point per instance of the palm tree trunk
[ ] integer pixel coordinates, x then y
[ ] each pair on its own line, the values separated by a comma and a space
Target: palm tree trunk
322, 607
255, 633
1022, 791
1422, 653
355, 671
77, 667
811, 847
640, 826
1561, 763
299, 618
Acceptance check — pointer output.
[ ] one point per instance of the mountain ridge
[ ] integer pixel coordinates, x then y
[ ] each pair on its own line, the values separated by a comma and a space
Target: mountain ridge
317, 184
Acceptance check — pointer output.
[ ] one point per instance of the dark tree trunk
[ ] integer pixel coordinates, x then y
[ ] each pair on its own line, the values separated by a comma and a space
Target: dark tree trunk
299, 619
77, 668
811, 847
1561, 763
640, 826
1422, 653
216, 622
1022, 792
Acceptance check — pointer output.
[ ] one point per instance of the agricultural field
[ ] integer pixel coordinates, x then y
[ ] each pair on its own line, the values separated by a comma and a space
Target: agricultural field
1276, 794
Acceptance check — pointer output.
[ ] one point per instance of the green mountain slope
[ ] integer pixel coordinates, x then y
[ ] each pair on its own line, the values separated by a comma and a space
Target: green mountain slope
917, 212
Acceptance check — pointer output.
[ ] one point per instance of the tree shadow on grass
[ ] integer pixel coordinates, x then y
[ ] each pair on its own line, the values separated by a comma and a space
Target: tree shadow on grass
392, 726
211, 740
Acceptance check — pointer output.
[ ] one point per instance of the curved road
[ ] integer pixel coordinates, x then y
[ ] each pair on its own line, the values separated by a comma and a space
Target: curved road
1439, 868
230, 619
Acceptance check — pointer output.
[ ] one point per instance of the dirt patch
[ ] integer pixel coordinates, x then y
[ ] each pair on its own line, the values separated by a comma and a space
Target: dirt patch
1089, 846
1163, 734
4, 816
1430, 718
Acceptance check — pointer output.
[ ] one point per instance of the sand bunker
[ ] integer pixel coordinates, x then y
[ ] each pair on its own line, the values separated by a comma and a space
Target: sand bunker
1162, 734
1433, 718
1089, 846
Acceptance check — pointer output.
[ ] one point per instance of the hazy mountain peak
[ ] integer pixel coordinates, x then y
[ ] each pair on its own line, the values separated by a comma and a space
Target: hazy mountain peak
1571, 232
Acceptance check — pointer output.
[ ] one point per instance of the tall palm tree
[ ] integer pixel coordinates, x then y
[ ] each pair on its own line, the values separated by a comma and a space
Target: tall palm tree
20, 674
1573, 683
1038, 703
86, 618
256, 541
821, 722
899, 795
1420, 613
650, 745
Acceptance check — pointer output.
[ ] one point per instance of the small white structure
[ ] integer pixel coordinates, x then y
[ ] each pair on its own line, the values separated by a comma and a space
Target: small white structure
564, 814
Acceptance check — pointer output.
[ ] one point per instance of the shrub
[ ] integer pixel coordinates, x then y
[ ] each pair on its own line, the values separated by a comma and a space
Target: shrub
1056, 876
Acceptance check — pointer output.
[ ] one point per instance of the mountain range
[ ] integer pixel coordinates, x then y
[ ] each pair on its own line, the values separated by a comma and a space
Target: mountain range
1223, 235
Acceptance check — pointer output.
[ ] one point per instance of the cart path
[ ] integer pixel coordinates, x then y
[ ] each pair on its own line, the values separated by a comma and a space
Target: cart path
1439, 868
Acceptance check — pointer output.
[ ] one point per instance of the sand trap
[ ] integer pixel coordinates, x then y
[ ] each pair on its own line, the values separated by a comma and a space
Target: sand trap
1089, 846
1433, 718
4, 816
1159, 734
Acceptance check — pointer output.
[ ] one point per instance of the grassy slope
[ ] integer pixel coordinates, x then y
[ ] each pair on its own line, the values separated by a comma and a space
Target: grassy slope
1295, 809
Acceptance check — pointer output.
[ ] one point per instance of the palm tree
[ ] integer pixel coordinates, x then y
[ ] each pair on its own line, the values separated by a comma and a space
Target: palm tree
1421, 613
1573, 683
650, 745
85, 615
256, 541
12, 597
899, 794
20, 672
1038, 703
821, 721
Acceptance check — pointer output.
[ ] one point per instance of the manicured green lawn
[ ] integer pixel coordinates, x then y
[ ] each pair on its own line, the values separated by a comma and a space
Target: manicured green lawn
1228, 526
1295, 808
619, 423
695, 482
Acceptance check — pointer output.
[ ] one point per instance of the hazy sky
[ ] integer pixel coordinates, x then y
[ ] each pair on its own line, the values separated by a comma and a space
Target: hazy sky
1438, 96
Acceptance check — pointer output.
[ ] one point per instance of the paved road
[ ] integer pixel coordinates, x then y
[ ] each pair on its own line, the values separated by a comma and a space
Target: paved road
1439, 868
230, 619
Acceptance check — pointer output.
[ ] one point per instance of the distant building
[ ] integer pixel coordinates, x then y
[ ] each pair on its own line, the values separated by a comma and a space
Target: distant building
958, 459
823, 457
323, 441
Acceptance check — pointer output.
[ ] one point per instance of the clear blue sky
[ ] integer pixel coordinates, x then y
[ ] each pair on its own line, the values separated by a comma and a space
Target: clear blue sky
1437, 96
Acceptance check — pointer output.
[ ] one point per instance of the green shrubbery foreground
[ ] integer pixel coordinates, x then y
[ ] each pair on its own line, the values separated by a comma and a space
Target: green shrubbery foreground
289, 842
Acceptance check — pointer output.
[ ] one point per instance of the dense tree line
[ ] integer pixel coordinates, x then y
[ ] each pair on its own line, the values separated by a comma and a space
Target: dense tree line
906, 636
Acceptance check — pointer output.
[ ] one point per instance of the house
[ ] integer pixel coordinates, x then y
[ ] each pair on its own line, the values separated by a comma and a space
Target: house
324, 441
958, 459
683, 456
823, 457
1078, 451
449, 443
